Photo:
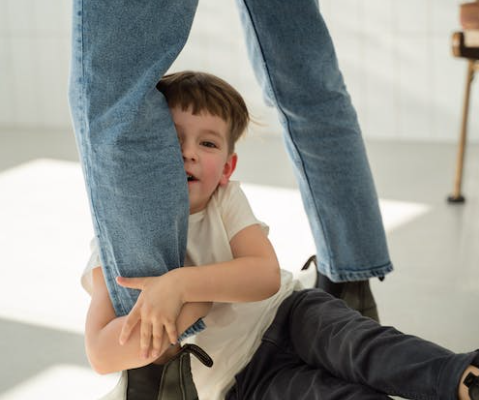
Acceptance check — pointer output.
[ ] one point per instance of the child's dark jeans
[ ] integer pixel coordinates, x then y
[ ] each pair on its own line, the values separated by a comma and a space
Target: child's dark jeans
317, 348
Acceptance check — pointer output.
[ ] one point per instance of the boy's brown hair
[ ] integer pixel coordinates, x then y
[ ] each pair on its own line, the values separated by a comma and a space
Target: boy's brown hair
206, 92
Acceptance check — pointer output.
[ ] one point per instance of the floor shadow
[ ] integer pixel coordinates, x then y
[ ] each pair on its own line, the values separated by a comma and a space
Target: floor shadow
19, 147
28, 350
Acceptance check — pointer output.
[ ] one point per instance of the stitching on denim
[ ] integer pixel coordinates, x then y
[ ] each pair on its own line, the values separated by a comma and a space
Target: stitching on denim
86, 148
378, 267
80, 93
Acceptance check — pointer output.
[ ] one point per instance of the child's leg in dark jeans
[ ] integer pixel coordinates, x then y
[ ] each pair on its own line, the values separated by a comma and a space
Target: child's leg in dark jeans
314, 333
274, 375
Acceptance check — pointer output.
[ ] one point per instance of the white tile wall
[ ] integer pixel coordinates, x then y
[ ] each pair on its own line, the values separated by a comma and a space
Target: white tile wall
34, 59
20, 16
444, 15
378, 17
54, 81
380, 108
51, 16
27, 97
394, 54
7, 94
414, 83
447, 93
410, 17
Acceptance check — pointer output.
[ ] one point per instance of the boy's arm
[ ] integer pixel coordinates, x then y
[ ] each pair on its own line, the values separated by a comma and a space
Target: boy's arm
103, 330
252, 275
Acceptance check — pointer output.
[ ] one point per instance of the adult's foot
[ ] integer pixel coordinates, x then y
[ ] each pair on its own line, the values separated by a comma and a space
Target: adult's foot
357, 294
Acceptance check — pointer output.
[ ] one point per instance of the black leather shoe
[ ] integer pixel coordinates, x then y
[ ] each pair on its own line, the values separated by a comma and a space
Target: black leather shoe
357, 295
171, 381
472, 382
143, 382
176, 381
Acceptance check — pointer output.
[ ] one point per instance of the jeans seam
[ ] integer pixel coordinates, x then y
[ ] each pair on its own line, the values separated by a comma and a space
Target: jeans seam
287, 124
117, 302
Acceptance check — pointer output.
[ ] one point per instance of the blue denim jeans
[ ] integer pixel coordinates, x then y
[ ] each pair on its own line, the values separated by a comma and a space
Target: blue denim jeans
130, 155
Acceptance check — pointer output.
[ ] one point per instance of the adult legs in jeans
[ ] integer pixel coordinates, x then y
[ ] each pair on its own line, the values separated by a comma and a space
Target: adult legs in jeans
294, 59
314, 331
128, 146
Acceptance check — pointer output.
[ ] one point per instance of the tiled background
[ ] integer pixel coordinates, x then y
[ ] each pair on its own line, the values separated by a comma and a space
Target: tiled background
395, 56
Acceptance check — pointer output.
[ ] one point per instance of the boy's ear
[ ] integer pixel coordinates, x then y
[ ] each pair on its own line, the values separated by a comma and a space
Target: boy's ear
228, 169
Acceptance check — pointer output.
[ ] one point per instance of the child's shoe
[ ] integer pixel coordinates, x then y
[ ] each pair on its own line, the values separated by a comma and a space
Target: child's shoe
171, 381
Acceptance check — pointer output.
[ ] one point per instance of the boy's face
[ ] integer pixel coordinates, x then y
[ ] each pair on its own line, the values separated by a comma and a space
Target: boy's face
204, 144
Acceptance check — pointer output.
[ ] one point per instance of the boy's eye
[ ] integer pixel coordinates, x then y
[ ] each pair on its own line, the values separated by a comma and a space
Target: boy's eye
209, 144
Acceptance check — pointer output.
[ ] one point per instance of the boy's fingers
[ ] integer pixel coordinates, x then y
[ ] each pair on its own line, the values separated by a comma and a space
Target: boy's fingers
171, 332
145, 338
129, 325
132, 283
157, 340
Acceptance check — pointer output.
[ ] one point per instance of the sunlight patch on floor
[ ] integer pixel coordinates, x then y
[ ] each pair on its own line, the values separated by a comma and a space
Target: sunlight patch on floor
282, 209
44, 240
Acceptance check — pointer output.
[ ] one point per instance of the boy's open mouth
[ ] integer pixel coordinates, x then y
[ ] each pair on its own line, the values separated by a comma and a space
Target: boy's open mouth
190, 177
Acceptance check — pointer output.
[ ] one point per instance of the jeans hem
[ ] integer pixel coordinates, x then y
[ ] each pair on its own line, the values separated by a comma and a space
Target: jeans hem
347, 276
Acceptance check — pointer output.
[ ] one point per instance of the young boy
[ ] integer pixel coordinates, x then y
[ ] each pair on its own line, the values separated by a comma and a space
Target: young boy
268, 338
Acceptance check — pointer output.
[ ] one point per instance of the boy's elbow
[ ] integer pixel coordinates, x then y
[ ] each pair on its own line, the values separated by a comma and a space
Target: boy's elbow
96, 357
100, 369
275, 280
99, 366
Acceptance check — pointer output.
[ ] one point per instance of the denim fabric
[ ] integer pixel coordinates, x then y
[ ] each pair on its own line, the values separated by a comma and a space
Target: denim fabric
130, 155
318, 348
128, 146
295, 63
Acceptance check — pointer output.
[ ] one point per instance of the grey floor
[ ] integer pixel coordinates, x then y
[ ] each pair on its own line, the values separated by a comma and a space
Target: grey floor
433, 293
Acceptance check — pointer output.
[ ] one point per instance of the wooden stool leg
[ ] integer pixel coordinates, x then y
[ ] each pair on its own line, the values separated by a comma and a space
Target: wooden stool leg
457, 197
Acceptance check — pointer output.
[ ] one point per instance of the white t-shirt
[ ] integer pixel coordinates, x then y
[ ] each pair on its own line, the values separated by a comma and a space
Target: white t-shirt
234, 330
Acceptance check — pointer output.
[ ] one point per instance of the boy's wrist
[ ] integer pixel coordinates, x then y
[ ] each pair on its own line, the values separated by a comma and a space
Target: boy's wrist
178, 281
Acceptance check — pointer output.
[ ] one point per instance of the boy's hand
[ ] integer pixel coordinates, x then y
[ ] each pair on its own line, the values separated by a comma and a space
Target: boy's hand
157, 307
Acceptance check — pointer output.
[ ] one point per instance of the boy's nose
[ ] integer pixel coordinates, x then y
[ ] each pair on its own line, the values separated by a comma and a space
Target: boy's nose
188, 151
